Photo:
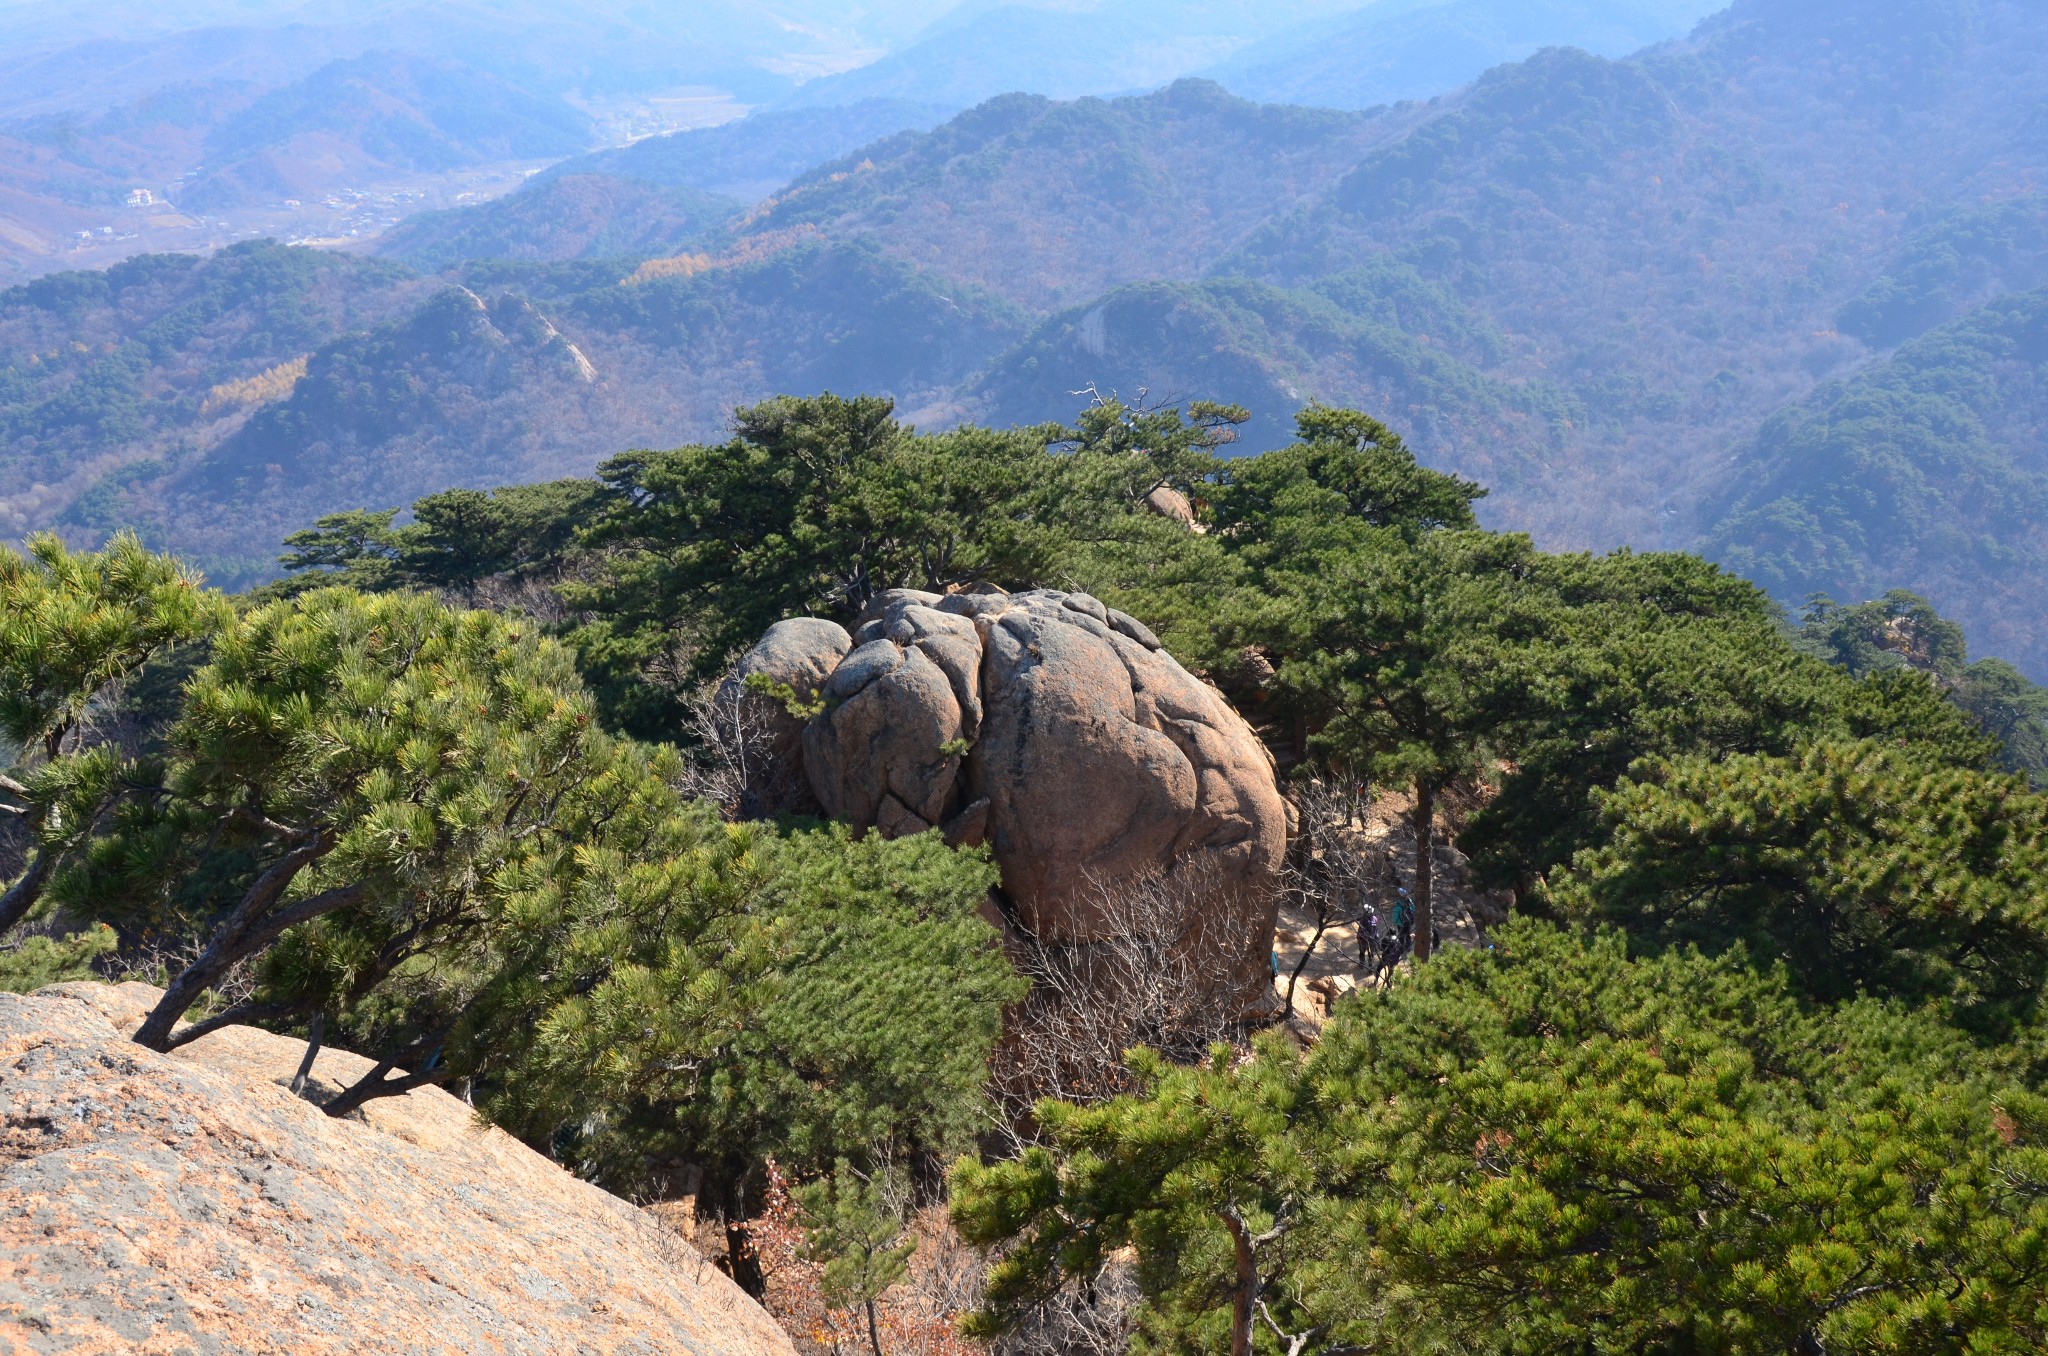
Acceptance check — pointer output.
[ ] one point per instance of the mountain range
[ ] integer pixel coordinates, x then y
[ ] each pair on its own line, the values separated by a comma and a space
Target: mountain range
1773, 291
126, 129
1333, 53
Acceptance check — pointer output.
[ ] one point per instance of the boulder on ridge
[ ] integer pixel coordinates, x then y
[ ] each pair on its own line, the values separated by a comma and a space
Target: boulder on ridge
1060, 732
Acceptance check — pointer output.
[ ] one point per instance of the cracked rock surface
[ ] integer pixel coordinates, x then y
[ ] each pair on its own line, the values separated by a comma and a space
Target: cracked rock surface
189, 1203
1052, 727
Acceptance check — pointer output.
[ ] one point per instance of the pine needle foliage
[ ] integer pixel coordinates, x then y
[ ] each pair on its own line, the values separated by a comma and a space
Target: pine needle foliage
73, 626
1860, 865
1553, 1145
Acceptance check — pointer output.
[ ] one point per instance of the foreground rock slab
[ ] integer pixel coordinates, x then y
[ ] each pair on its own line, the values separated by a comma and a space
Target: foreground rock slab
189, 1203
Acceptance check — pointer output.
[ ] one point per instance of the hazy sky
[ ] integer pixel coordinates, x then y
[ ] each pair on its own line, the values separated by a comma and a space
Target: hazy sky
55, 55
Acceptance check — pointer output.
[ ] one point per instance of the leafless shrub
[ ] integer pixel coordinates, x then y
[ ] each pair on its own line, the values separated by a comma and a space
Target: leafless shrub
733, 762
1159, 976
918, 1316
519, 595
158, 962
1095, 1319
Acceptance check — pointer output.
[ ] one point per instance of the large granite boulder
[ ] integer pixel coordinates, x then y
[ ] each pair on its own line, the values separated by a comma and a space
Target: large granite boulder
190, 1203
1058, 731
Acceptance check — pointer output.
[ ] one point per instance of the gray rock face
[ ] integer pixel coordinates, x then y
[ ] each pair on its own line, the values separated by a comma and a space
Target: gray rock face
1090, 756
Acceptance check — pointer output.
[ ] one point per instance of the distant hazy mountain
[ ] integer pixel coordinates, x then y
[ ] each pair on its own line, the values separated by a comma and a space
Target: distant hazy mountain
85, 58
232, 146
229, 111
1046, 203
1416, 49
656, 196
1768, 289
373, 115
470, 386
1061, 49
575, 216
1326, 53
751, 158
84, 78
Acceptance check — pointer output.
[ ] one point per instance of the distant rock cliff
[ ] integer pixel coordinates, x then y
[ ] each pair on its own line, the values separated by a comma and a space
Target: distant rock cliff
190, 1203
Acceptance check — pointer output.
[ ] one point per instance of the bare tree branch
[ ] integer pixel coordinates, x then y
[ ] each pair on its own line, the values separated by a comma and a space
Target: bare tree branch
1148, 981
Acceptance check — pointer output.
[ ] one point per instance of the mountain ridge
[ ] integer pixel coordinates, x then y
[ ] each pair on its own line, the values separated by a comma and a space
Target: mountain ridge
1591, 282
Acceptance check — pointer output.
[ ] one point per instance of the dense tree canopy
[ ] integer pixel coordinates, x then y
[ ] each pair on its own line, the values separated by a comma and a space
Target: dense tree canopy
1902, 630
1762, 1071
1550, 1146
1860, 864
73, 625
402, 824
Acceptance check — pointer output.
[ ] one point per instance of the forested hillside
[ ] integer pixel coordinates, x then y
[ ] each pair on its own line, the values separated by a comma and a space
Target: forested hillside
573, 216
1929, 467
1613, 287
1046, 203
476, 386
110, 378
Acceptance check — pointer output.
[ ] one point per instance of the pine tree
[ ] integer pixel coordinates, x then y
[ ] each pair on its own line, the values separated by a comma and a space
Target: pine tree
855, 1228
345, 766
1392, 645
800, 994
1553, 1145
72, 626
1862, 865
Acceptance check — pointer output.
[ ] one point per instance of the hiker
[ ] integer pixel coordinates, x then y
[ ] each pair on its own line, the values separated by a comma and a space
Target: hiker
1368, 932
1404, 916
1391, 951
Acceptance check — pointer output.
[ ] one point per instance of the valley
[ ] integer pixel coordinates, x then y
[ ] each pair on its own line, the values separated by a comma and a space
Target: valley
1600, 286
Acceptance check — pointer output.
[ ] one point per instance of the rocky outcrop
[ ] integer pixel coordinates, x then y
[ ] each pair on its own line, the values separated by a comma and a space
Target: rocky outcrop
190, 1203
1170, 503
1057, 730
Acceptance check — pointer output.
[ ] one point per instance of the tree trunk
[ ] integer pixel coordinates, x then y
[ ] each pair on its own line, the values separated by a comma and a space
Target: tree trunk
241, 1014
1425, 842
1245, 1292
23, 894
314, 1032
726, 1188
874, 1334
1308, 953
245, 933
378, 1083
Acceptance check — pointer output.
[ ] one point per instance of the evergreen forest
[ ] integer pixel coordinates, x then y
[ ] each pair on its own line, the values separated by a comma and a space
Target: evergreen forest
1757, 1063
